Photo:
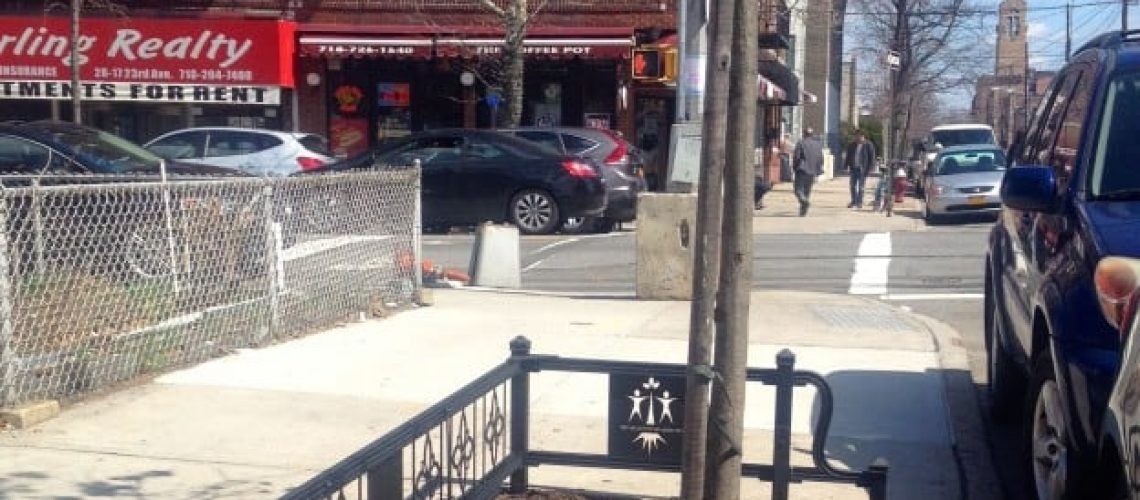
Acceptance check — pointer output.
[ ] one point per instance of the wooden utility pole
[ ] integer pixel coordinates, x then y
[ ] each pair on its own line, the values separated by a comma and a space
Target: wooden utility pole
706, 251
1068, 30
726, 419
73, 61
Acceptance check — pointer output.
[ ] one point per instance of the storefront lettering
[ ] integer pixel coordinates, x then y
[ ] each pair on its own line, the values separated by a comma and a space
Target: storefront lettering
129, 44
538, 50
143, 92
370, 50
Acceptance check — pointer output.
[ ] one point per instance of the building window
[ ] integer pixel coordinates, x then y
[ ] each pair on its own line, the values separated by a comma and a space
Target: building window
1014, 25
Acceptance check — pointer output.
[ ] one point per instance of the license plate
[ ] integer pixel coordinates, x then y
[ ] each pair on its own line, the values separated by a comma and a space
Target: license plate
976, 200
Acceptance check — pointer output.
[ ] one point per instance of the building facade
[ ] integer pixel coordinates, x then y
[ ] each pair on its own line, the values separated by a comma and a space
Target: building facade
1005, 98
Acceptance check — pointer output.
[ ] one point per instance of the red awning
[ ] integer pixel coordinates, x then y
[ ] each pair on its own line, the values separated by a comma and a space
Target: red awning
413, 42
768, 91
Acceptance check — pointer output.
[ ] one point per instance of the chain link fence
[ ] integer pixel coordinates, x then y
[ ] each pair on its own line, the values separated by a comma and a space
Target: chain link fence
108, 280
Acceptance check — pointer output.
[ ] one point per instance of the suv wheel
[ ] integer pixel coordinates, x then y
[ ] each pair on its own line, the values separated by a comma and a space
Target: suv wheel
1002, 384
534, 212
1051, 459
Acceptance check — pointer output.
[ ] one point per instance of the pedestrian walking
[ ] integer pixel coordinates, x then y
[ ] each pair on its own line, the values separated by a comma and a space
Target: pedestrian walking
807, 164
859, 160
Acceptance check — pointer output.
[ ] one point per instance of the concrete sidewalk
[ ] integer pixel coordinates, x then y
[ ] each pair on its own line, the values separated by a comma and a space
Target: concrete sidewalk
829, 212
257, 422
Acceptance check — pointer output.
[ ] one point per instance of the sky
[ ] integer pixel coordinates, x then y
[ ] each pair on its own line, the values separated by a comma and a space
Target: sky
1046, 34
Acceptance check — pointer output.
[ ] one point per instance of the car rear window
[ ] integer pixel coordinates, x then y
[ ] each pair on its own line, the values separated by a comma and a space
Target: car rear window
578, 145
316, 144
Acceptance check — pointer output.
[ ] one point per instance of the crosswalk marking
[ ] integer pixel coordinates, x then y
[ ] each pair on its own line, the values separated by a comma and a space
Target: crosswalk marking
872, 265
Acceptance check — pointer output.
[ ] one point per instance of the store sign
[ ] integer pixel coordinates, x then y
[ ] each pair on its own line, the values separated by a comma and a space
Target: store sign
143, 92
167, 51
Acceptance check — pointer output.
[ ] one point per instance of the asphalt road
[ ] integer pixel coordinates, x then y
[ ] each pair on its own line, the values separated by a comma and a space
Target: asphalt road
936, 273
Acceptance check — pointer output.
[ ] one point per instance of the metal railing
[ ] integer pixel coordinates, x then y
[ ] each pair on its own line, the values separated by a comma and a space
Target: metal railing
103, 279
472, 442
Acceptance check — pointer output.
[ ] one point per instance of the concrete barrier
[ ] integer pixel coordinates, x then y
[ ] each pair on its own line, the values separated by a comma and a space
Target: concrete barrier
495, 259
666, 234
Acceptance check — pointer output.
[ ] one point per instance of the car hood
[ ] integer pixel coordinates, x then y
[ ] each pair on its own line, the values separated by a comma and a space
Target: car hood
970, 179
1116, 225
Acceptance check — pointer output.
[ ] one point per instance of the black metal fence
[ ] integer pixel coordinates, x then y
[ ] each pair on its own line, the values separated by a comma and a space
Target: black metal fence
475, 441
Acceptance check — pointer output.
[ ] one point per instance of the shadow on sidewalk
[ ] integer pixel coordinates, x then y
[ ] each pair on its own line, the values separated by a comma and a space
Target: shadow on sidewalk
36, 484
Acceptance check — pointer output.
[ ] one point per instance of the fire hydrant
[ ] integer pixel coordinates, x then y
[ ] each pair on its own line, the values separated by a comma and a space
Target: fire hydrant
900, 184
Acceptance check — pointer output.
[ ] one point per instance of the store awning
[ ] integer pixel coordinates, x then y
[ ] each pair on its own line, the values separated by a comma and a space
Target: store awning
436, 41
777, 84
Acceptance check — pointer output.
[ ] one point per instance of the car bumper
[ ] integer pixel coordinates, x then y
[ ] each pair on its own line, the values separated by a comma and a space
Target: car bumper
621, 202
961, 203
586, 198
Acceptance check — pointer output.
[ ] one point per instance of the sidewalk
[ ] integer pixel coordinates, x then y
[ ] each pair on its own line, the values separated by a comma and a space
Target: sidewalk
257, 422
829, 212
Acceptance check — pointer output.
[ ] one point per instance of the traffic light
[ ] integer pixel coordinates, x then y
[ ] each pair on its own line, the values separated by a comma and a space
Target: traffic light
655, 64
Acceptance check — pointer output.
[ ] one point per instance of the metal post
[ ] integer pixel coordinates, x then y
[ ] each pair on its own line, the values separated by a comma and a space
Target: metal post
38, 227
1069, 30
782, 447
386, 480
682, 53
417, 229
272, 253
520, 413
73, 62
877, 479
1124, 15
168, 216
7, 357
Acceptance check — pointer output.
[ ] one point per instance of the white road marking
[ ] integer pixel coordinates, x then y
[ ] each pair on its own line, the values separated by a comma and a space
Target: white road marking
314, 247
872, 265
534, 265
554, 245
932, 296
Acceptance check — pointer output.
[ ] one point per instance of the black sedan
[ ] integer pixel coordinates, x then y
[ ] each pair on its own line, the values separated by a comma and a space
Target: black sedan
473, 176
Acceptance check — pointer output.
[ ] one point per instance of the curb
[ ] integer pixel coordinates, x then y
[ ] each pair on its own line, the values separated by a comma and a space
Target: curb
967, 428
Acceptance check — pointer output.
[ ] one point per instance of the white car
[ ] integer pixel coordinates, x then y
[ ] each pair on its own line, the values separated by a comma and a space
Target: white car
254, 151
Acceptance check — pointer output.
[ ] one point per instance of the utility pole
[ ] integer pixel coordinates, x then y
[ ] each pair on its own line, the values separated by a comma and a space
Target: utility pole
1124, 15
73, 61
726, 419
706, 251
1069, 30
691, 34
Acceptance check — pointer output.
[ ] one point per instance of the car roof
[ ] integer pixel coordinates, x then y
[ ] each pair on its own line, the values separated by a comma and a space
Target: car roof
277, 133
962, 148
961, 126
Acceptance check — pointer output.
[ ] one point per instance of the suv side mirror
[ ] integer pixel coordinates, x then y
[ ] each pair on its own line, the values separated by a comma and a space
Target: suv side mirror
1030, 188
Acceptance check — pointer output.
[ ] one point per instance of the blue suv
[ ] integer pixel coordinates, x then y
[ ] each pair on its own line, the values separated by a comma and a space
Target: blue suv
1059, 279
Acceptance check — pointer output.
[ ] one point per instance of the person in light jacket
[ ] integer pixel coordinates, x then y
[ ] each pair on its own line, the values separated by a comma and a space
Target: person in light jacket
807, 164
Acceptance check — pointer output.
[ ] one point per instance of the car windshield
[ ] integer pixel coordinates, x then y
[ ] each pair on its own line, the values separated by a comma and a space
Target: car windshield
1115, 169
968, 162
959, 137
108, 153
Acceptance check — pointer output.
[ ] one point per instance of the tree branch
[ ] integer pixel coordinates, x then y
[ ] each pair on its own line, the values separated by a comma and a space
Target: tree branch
490, 6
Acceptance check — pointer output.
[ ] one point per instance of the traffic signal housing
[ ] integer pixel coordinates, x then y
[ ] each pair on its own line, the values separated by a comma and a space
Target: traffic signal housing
655, 64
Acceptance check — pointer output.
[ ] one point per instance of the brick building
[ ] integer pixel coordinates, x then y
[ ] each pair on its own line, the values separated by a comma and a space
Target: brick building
1004, 99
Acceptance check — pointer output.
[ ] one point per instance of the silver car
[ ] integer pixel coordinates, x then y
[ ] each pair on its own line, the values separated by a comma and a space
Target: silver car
963, 179
253, 151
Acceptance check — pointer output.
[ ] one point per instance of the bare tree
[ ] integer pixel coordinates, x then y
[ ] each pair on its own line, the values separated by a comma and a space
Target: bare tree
76, 8
937, 44
515, 16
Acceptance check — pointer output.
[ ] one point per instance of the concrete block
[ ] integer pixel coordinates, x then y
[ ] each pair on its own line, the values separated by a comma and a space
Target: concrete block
666, 234
27, 415
828, 165
495, 260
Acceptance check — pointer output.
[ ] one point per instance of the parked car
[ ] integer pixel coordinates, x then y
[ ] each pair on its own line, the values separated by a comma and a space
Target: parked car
253, 151
622, 166
1119, 464
950, 135
472, 176
963, 179
120, 230
1053, 300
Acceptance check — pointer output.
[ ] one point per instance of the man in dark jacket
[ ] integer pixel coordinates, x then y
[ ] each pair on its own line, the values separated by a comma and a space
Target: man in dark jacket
807, 164
859, 160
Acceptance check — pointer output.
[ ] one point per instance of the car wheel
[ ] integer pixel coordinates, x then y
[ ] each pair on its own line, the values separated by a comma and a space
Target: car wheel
1002, 384
1050, 456
578, 225
534, 212
930, 218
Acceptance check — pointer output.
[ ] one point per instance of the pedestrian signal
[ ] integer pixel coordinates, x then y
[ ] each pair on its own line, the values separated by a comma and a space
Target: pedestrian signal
647, 64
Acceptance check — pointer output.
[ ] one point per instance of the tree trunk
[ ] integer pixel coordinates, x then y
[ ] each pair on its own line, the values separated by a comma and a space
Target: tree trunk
706, 252
73, 62
726, 418
515, 23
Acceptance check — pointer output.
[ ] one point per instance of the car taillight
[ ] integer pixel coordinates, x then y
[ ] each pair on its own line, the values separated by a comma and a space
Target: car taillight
578, 169
620, 154
1117, 281
307, 163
